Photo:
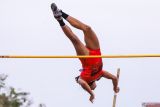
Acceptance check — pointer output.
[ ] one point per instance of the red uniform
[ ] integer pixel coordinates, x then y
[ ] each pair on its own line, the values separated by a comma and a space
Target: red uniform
92, 67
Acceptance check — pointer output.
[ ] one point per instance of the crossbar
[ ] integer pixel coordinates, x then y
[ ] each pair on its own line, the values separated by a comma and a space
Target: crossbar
83, 56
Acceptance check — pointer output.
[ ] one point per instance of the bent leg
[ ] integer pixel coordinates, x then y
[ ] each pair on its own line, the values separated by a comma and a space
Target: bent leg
79, 47
90, 37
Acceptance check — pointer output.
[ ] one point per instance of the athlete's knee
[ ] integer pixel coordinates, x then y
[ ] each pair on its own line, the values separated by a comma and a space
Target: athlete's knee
87, 28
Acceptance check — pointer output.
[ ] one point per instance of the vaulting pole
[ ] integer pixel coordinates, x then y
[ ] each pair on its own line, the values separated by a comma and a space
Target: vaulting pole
115, 94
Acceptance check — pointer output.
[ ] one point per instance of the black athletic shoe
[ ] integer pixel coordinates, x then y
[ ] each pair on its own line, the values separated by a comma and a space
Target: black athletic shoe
56, 12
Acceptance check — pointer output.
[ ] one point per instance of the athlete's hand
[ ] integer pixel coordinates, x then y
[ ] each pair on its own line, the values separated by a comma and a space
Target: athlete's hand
116, 89
92, 97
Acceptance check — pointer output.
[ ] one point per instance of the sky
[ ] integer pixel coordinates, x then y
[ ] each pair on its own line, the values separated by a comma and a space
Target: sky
27, 27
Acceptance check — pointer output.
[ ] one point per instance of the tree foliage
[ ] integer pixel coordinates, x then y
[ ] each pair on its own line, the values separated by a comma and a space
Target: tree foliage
10, 97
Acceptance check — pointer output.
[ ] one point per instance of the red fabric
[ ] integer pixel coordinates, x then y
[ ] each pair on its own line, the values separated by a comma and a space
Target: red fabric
92, 67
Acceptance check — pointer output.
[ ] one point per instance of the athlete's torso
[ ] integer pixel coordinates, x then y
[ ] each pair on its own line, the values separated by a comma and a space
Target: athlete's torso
92, 67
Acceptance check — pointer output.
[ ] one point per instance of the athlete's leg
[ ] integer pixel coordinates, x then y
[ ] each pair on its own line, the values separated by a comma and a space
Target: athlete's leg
79, 46
90, 37
114, 79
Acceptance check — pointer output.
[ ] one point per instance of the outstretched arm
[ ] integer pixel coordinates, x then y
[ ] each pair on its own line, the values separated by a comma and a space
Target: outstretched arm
86, 87
114, 80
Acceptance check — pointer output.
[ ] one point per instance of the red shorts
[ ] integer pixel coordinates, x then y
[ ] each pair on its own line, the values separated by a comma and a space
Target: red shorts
92, 67
88, 78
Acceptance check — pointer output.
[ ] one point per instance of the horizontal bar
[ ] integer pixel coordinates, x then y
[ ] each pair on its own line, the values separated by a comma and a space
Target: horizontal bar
87, 56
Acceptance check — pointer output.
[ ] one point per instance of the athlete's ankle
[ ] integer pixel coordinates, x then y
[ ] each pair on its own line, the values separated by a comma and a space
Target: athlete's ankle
61, 22
64, 15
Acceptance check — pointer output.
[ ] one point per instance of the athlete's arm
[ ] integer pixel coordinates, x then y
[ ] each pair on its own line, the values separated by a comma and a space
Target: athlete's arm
86, 87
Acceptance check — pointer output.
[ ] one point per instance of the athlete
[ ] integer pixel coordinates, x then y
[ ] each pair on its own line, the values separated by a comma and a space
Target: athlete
92, 67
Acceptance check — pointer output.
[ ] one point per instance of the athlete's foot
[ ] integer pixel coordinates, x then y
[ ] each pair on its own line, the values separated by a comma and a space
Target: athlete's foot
56, 12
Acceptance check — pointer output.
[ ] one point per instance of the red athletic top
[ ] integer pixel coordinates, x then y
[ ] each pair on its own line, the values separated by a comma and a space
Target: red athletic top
92, 67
